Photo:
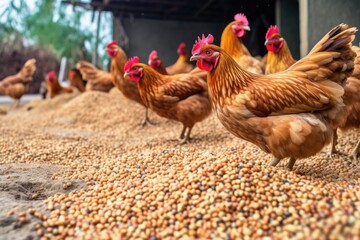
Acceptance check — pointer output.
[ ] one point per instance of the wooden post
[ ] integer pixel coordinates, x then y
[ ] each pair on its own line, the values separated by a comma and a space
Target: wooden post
95, 53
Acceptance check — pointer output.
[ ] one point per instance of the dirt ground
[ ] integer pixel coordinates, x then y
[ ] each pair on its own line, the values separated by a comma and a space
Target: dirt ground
58, 156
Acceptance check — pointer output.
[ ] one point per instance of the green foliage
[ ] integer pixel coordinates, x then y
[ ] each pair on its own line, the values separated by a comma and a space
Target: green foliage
52, 25
13, 15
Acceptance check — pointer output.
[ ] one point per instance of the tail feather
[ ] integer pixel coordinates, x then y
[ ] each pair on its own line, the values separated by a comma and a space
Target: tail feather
332, 55
92, 74
28, 70
336, 38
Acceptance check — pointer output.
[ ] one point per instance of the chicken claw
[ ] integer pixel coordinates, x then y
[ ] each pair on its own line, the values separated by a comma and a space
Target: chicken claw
185, 139
146, 119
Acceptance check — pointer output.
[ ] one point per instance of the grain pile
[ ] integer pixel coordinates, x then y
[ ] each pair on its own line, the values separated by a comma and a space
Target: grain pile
141, 184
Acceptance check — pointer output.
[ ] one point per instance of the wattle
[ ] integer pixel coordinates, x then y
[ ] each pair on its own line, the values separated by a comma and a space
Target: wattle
206, 66
240, 33
135, 78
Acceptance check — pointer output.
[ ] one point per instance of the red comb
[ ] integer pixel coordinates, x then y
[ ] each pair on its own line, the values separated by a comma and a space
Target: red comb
271, 31
130, 62
51, 74
201, 42
240, 17
110, 44
153, 55
182, 45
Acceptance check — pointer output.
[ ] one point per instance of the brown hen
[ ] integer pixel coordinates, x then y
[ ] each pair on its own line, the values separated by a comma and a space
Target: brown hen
53, 86
97, 79
156, 63
279, 57
288, 114
76, 80
180, 97
128, 88
231, 42
182, 64
351, 117
16, 85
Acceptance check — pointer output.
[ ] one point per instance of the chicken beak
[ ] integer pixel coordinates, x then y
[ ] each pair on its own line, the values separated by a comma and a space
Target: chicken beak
126, 74
267, 42
194, 58
246, 28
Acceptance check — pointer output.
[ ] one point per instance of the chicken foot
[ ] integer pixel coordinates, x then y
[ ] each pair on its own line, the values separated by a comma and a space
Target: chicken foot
333, 149
356, 151
291, 163
333, 145
15, 104
185, 139
146, 119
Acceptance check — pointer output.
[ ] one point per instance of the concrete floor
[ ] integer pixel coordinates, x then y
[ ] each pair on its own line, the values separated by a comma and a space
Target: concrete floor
5, 100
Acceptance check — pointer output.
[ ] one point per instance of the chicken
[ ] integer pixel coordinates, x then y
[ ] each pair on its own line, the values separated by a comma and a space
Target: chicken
156, 63
280, 59
351, 117
279, 56
231, 42
180, 97
128, 88
54, 87
76, 79
288, 114
97, 80
181, 65
16, 85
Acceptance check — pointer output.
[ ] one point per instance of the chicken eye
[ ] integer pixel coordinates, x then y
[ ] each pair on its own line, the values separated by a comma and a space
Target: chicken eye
207, 52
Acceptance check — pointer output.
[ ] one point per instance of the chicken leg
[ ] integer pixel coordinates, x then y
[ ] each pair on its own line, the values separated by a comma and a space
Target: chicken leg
333, 150
356, 151
15, 104
182, 134
146, 119
291, 163
333, 144
187, 137
274, 161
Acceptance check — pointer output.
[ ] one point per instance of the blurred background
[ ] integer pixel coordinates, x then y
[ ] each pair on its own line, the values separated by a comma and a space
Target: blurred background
66, 31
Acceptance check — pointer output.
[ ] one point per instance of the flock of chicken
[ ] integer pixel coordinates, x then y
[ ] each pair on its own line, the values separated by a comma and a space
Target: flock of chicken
288, 108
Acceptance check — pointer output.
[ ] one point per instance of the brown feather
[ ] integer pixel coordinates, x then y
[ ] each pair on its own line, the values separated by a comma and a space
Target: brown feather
55, 89
127, 87
180, 97
280, 61
235, 47
291, 113
98, 80
181, 65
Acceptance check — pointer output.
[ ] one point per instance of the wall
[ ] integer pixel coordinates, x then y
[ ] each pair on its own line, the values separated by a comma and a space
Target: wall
287, 18
325, 14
